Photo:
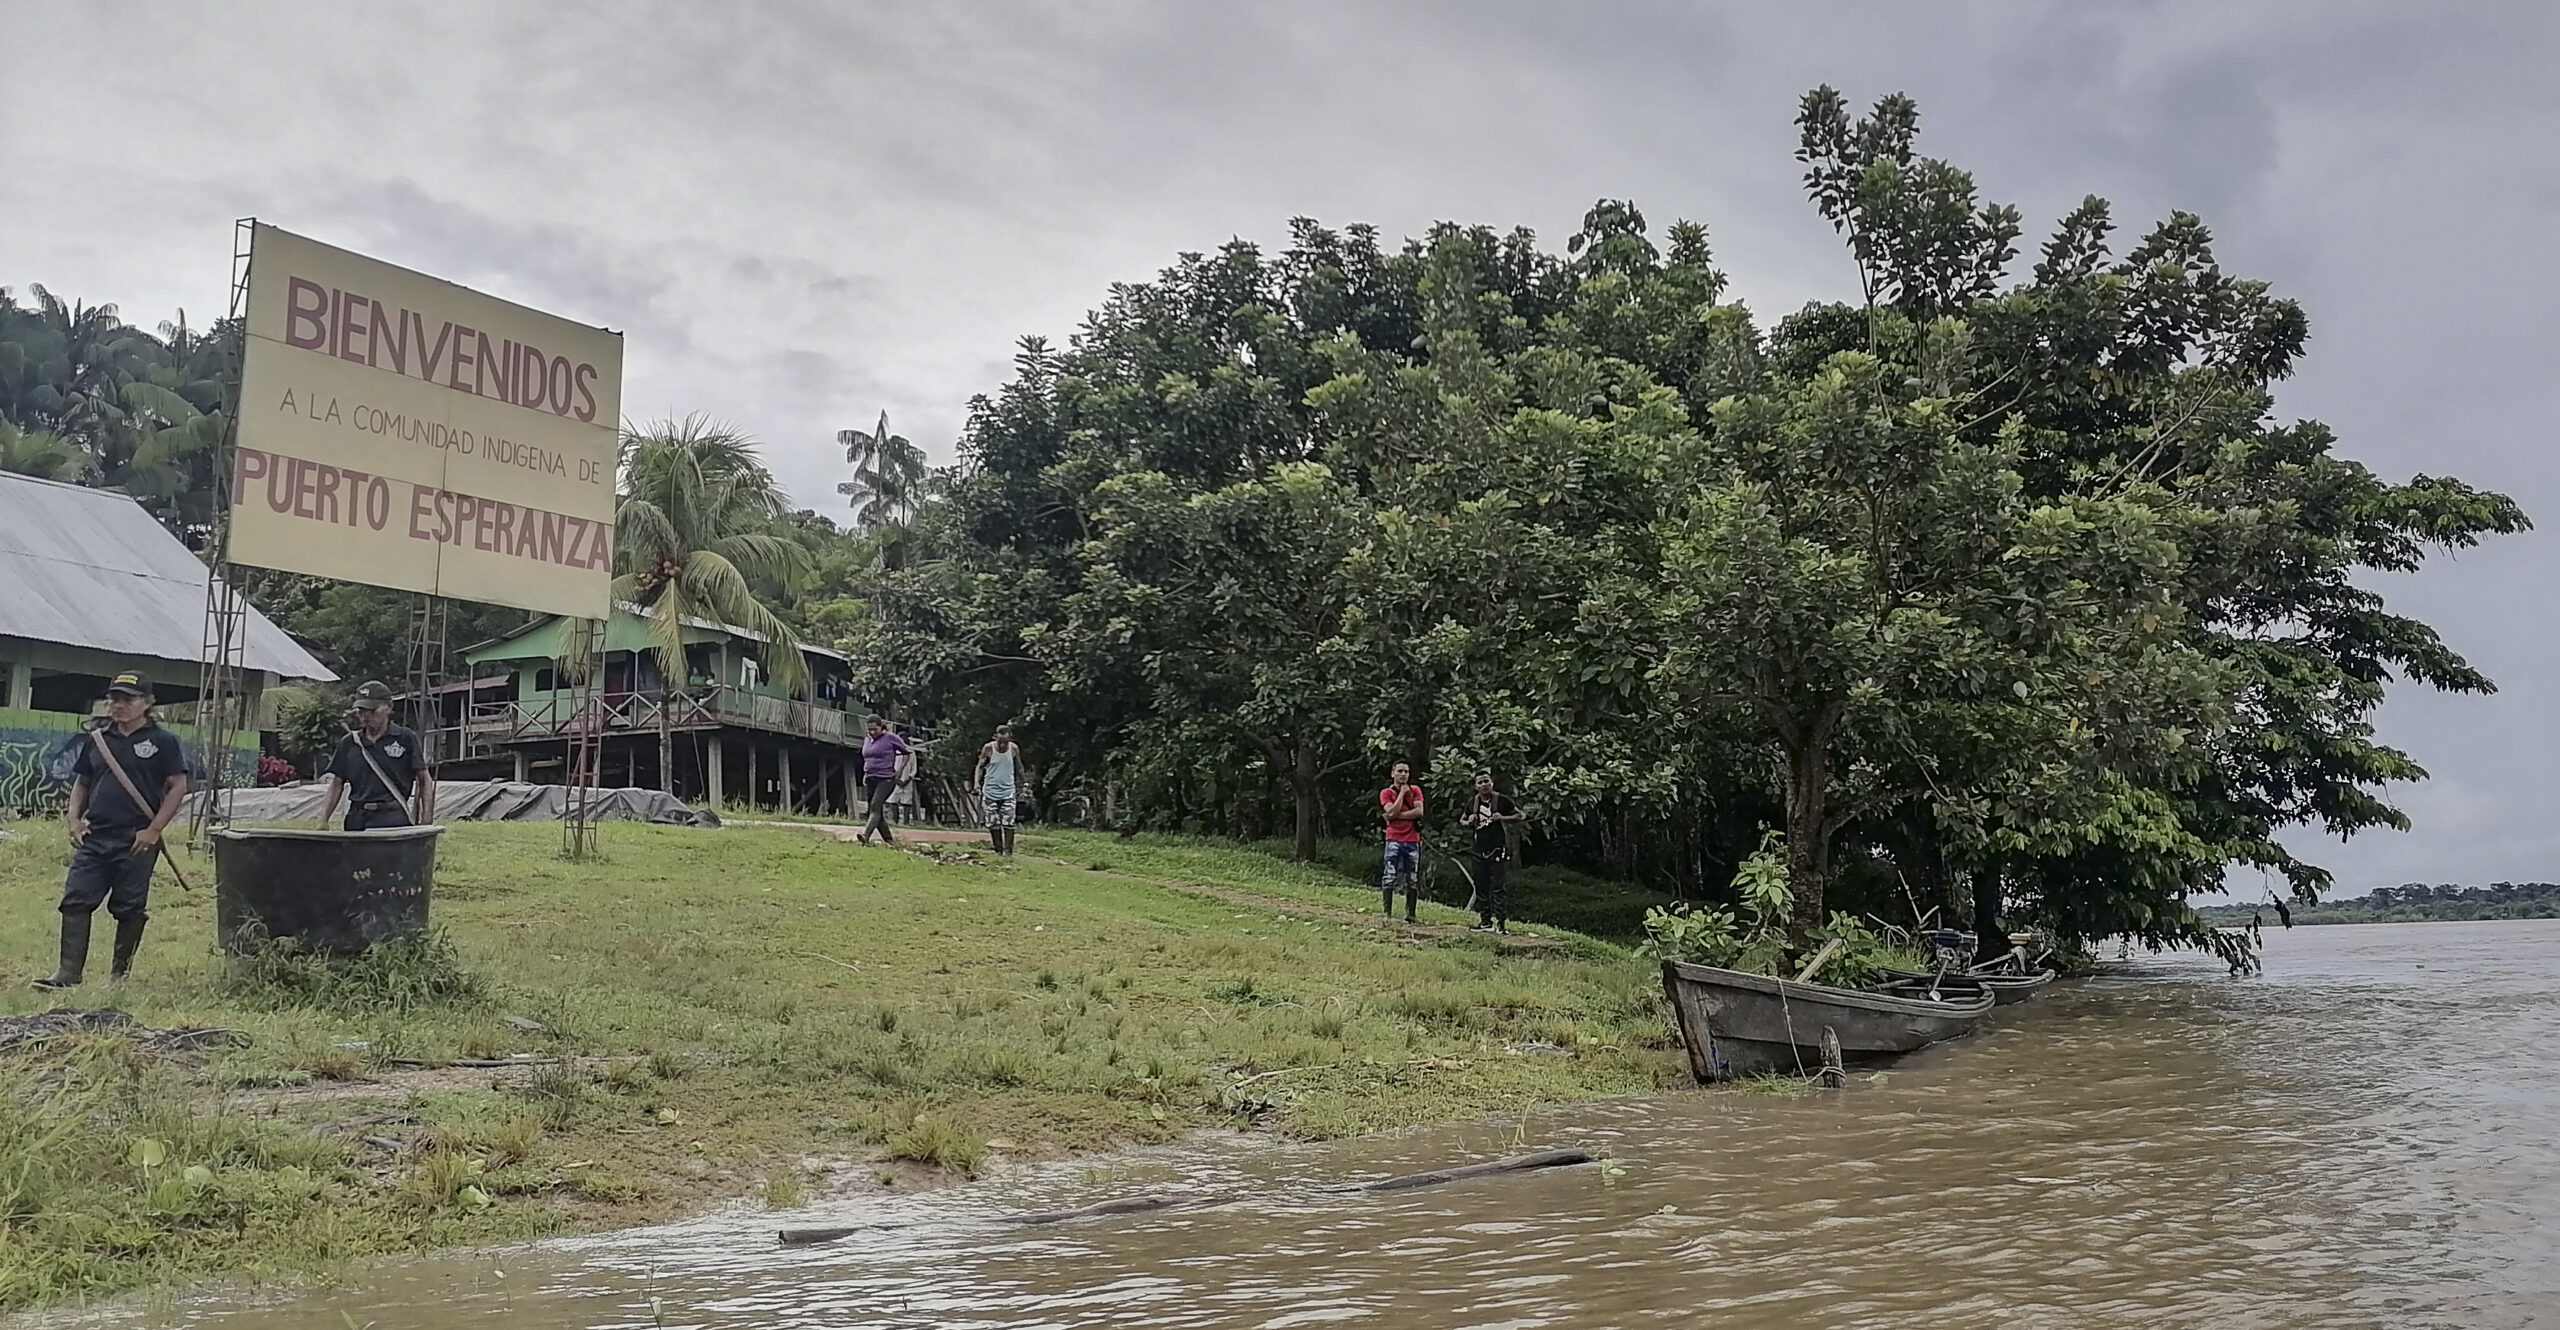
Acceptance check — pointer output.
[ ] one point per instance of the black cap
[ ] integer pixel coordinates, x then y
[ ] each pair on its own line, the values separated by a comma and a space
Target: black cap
129, 684
372, 693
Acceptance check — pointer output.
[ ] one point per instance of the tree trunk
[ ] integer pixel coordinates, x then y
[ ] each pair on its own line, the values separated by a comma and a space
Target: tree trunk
666, 746
1990, 940
1306, 786
1808, 845
1937, 881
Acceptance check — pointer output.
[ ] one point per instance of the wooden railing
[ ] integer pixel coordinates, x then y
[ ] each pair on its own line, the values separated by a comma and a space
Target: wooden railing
493, 725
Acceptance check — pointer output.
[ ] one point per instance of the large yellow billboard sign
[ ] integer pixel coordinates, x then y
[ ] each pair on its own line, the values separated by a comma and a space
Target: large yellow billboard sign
406, 432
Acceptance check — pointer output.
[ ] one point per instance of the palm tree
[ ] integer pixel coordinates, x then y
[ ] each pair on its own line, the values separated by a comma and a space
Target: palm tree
888, 476
41, 454
693, 530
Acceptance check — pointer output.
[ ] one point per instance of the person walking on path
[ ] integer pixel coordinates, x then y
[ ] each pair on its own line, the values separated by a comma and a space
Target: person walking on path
380, 768
881, 749
1491, 813
1001, 777
1401, 805
126, 786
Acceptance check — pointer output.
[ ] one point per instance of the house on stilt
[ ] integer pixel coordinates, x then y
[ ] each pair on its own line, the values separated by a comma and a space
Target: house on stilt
724, 734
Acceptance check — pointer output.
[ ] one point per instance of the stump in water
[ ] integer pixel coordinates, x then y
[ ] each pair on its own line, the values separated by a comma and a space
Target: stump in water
1835, 1073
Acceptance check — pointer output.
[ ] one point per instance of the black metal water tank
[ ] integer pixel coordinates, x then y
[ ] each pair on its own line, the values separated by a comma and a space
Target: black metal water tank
340, 892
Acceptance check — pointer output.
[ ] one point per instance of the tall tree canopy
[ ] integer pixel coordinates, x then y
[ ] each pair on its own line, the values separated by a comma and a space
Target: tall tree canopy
86, 397
2009, 585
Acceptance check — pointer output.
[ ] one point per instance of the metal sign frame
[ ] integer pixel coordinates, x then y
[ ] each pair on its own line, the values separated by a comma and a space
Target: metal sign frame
226, 611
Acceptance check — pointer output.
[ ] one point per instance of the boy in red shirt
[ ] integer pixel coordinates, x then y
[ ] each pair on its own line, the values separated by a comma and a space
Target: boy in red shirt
1401, 804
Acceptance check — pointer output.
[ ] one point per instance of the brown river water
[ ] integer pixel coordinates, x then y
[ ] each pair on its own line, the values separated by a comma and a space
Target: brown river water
2366, 1135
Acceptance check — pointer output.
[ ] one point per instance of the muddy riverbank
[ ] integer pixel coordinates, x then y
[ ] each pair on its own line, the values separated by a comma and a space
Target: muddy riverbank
2367, 1135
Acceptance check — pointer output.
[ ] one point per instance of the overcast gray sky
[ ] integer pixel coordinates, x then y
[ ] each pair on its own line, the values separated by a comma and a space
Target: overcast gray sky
803, 215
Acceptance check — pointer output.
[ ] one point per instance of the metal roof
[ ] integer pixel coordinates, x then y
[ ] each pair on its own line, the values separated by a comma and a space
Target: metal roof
625, 612
89, 568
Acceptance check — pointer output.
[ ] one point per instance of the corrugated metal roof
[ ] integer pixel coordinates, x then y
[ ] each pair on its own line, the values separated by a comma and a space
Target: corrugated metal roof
88, 568
621, 635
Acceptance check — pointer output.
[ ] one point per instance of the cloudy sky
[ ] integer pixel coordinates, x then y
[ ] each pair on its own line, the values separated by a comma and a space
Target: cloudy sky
804, 215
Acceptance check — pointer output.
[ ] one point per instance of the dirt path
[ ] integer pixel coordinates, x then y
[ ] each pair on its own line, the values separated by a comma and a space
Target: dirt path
1286, 907
850, 834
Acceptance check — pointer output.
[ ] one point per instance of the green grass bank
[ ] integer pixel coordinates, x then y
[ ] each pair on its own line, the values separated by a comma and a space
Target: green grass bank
766, 1014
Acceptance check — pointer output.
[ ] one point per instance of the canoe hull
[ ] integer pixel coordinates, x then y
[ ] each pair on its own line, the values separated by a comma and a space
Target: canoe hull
1737, 1024
2005, 989
2010, 989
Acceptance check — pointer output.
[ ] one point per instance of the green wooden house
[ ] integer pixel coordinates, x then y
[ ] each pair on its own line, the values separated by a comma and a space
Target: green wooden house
723, 733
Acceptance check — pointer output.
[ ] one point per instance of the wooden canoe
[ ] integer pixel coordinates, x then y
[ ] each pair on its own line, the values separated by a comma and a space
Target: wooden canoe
2005, 989
1738, 1024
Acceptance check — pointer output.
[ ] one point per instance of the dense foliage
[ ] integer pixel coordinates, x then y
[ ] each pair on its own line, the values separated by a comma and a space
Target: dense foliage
87, 398
2003, 593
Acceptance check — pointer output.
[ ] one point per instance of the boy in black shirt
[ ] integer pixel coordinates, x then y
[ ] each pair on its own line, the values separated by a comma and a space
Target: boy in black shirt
374, 751
115, 835
1491, 814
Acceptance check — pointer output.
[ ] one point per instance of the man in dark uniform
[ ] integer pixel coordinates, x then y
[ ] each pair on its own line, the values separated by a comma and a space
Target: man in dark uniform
116, 837
382, 767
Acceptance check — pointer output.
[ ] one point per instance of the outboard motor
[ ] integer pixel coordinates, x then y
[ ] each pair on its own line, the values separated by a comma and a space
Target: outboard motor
1949, 950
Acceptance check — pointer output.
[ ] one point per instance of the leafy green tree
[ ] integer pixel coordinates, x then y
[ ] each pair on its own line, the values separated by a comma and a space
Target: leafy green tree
2153, 373
136, 413
1852, 570
1230, 606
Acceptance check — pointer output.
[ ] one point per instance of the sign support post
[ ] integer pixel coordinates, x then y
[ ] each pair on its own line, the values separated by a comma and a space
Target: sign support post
225, 611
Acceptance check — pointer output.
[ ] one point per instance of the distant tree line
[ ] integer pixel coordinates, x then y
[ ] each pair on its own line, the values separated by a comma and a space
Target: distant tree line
2417, 902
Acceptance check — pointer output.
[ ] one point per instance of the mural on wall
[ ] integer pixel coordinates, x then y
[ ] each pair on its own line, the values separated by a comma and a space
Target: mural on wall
35, 757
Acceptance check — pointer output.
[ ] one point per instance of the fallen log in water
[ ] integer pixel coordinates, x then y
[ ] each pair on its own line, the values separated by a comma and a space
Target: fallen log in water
1130, 1205
1125, 1205
1515, 1164
801, 1237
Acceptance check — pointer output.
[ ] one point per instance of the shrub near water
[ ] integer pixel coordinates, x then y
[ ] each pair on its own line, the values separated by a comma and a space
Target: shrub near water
1753, 937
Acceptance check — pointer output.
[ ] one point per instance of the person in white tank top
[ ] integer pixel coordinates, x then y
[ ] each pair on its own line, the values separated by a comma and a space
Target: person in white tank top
1001, 777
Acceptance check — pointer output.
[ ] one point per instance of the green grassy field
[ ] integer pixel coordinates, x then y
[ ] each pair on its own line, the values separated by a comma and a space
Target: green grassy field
758, 1013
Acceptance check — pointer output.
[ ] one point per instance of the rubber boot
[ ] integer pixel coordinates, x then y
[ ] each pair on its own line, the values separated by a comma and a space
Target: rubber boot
75, 952
1388, 895
128, 941
1408, 905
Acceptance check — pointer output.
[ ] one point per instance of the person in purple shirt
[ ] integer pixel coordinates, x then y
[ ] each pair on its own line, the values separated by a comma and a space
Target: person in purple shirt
881, 747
